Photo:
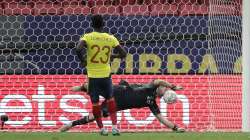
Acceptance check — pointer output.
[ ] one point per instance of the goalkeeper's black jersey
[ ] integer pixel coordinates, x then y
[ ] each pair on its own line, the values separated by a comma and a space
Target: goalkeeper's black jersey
136, 96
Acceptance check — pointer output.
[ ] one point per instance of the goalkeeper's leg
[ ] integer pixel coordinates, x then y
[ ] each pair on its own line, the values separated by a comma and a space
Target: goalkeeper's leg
86, 119
82, 121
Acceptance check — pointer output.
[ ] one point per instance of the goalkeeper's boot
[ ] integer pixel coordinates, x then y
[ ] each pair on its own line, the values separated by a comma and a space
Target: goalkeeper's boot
115, 132
178, 129
104, 132
66, 127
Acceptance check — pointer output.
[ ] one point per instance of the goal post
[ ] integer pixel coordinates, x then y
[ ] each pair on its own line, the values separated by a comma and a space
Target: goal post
245, 66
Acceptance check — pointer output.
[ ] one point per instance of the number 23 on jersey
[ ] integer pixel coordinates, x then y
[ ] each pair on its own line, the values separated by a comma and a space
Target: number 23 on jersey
100, 54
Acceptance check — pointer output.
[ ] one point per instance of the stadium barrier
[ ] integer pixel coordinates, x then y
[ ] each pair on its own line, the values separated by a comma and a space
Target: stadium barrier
45, 103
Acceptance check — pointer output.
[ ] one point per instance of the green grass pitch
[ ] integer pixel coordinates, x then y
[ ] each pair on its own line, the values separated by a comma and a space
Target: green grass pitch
125, 136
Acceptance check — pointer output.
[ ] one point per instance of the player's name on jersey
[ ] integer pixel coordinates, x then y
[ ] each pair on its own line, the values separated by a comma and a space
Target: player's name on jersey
101, 38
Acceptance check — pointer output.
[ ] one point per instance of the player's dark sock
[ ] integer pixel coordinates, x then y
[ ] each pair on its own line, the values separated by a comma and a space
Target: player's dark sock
112, 110
175, 128
97, 114
82, 121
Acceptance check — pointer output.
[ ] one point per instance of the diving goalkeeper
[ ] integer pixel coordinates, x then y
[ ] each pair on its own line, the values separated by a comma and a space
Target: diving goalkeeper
133, 96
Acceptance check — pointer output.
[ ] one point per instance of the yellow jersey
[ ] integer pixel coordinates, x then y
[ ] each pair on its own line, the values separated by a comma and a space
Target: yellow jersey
99, 49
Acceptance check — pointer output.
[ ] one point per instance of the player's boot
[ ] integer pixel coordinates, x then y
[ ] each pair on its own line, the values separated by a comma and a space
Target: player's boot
115, 132
180, 130
66, 127
104, 132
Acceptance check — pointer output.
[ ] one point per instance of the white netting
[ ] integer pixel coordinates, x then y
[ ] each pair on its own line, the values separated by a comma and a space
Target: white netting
194, 43
225, 48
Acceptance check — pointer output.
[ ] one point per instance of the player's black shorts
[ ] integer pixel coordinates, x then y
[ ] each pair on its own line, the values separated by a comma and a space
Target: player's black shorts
100, 86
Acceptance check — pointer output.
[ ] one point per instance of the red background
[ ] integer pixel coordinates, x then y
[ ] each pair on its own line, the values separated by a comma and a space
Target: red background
214, 102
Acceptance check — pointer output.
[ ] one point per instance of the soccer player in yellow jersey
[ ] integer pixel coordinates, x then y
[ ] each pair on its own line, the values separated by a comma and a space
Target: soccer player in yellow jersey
95, 52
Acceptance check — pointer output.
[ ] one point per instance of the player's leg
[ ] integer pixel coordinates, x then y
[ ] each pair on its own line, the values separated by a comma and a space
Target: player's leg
82, 121
112, 110
108, 94
113, 116
86, 119
94, 89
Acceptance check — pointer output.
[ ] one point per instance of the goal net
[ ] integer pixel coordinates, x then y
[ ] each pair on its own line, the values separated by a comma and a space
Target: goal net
224, 45
193, 43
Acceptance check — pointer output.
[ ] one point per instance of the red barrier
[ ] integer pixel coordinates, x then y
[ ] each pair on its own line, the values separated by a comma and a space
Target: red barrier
45, 102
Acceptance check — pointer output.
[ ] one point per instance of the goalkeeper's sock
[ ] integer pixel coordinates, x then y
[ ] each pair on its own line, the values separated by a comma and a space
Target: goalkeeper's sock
175, 128
97, 114
82, 121
112, 111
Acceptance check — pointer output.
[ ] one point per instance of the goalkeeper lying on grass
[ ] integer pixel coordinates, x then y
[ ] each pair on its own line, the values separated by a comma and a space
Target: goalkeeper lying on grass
135, 96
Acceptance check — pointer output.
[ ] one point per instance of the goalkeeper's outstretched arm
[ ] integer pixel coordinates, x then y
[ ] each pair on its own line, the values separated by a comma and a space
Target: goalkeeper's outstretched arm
159, 82
83, 87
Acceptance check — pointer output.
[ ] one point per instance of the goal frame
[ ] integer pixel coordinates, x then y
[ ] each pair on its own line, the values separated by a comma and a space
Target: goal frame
245, 66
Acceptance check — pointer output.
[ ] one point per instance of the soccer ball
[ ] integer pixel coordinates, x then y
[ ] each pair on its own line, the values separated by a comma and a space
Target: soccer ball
169, 96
